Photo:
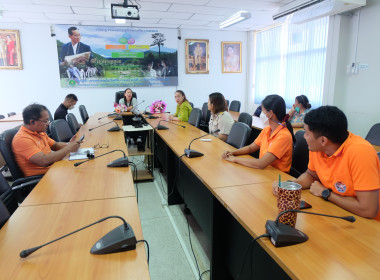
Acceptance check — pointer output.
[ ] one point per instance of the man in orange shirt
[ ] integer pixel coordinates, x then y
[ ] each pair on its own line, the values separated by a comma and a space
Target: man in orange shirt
343, 168
32, 148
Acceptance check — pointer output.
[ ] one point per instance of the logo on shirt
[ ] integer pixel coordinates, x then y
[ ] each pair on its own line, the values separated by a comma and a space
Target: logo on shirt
340, 187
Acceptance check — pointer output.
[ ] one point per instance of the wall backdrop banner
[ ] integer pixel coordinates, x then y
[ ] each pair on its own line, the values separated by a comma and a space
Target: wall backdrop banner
95, 56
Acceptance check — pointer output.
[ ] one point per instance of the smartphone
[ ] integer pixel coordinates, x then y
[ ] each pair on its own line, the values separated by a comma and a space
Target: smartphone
81, 139
304, 205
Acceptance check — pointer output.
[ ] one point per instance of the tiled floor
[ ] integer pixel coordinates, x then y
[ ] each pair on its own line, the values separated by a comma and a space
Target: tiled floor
165, 228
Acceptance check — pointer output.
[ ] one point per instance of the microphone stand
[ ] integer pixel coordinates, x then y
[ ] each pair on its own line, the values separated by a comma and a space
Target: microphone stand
193, 153
162, 127
120, 162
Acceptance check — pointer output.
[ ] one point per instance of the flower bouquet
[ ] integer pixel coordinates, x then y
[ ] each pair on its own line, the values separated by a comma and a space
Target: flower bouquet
120, 108
157, 107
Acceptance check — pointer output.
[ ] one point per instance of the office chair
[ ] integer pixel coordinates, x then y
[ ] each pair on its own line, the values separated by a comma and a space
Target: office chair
120, 94
83, 113
257, 112
18, 178
228, 103
206, 115
195, 117
11, 114
60, 131
48, 132
300, 155
73, 123
7, 195
373, 135
239, 135
4, 214
2, 117
245, 118
235, 106
191, 104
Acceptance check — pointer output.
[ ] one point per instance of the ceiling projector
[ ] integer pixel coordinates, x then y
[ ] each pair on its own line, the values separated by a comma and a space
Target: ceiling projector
125, 11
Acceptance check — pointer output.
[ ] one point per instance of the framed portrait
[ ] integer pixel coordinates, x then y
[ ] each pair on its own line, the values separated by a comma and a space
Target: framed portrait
197, 56
10, 50
231, 57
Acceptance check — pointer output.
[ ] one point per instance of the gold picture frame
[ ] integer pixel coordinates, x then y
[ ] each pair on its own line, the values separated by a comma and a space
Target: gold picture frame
231, 57
197, 56
10, 50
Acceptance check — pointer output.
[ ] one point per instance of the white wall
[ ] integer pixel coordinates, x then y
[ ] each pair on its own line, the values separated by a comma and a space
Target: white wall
39, 80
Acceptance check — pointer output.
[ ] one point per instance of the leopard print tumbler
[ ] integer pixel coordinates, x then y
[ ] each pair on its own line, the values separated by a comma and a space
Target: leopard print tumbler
289, 198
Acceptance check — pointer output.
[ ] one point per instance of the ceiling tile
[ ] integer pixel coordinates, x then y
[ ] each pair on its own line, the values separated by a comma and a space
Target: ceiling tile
10, 20
37, 8
187, 22
199, 9
7, 14
49, 21
97, 23
92, 11
17, 1
244, 4
191, 2
157, 25
207, 17
74, 17
81, 3
170, 15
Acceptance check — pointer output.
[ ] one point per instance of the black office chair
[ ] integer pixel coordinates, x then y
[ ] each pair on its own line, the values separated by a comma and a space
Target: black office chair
191, 104
83, 113
239, 135
228, 103
73, 123
257, 112
7, 195
2, 117
235, 106
11, 114
195, 117
373, 135
300, 155
4, 214
48, 132
18, 178
120, 94
245, 118
206, 115
60, 131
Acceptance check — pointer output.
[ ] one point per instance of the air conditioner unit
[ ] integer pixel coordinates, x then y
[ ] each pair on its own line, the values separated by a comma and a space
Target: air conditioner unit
304, 10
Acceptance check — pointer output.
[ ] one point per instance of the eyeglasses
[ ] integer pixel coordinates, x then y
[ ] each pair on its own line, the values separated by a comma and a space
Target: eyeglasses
45, 122
100, 146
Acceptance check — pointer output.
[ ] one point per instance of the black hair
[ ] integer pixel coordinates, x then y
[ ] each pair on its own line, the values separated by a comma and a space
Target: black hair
328, 121
125, 99
71, 29
32, 112
304, 101
276, 103
183, 94
218, 102
72, 97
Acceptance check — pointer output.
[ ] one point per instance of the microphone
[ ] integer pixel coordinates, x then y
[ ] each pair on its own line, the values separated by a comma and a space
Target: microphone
135, 107
119, 239
115, 128
100, 125
162, 127
149, 115
109, 115
193, 153
120, 162
284, 235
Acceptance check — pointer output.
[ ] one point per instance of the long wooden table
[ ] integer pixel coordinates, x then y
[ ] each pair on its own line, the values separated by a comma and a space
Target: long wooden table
232, 203
14, 118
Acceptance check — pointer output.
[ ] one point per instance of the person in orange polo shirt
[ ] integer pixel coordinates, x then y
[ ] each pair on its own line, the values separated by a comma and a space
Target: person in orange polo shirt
275, 141
343, 168
32, 148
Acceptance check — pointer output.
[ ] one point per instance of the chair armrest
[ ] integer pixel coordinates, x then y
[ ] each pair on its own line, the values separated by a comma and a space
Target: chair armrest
26, 182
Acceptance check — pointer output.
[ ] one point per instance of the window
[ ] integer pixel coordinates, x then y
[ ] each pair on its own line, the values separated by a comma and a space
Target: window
290, 61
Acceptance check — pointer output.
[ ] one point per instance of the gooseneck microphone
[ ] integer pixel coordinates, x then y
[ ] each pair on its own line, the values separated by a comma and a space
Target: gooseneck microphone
149, 114
119, 239
162, 127
115, 128
193, 153
284, 235
109, 115
120, 162
100, 125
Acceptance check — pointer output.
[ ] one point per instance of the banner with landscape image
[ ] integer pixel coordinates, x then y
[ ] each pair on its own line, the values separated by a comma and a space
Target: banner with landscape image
95, 56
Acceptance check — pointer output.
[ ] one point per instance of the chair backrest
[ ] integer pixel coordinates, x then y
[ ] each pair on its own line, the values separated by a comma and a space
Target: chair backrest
195, 117
6, 139
245, 118
7, 195
206, 113
50, 116
191, 104
257, 112
228, 103
60, 131
300, 155
239, 135
73, 123
235, 106
11, 114
2, 117
120, 94
373, 135
4, 214
83, 113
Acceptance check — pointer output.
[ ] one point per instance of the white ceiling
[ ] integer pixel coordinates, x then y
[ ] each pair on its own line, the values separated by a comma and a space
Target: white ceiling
184, 14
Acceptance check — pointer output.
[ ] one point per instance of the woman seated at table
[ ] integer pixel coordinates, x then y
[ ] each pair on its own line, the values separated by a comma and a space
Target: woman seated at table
300, 107
220, 118
275, 141
183, 107
128, 100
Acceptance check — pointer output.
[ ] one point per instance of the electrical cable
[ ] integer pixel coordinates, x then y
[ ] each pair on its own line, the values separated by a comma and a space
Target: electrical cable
204, 272
134, 177
147, 245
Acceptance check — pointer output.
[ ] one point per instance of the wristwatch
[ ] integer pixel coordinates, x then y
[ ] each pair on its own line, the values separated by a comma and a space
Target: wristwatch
326, 194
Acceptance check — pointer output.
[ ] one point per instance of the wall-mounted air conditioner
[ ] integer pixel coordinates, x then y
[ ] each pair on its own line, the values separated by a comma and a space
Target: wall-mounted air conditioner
304, 10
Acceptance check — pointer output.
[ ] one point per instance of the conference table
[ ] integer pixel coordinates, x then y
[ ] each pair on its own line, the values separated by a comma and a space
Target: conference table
66, 199
232, 203
14, 118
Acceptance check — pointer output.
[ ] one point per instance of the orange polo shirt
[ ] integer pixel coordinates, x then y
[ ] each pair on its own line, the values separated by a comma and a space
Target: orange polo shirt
26, 144
353, 167
280, 143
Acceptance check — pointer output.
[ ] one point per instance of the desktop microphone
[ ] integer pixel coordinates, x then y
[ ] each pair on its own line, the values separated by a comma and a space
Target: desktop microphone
149, 114
109, 115
193, 153
162, 127
119, 239
284, 235
120, 162
99, 125
115, 128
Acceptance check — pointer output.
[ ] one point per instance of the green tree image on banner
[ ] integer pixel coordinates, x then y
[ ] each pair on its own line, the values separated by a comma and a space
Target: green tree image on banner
93, 56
